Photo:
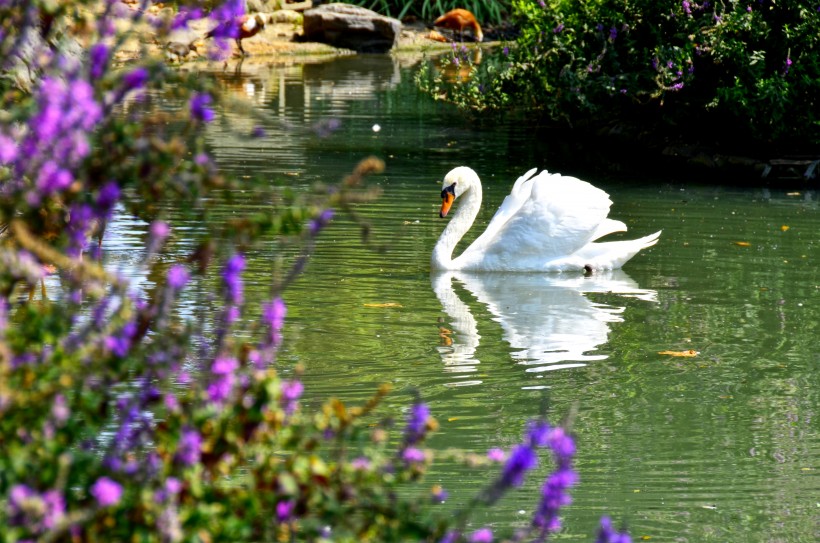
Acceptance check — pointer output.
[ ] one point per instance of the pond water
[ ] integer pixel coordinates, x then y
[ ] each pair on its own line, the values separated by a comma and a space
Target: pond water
722, 446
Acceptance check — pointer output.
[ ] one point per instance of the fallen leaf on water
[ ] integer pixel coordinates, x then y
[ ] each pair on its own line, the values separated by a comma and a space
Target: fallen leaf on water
386, 304
451, 419
784, 227
688, 353
792, 194
742, 243
646, 537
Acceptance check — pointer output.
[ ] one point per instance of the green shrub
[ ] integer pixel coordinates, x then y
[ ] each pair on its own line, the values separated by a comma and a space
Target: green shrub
715, 71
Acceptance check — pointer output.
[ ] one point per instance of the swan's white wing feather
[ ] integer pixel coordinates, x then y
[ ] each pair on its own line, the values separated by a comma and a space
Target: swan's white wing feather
511, 205
559, 216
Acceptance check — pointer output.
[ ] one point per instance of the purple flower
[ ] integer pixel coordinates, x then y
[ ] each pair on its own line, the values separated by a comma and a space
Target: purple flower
120, 343
417, 423
484, 535
607, 534
8, 149
361, 463
199, 107
613, 33
273, 313
107, 197
558, 29
106, 491
284, 510
39, 512
135, 79
99, 58
554, 496
173, 485
505, 51
178, 276
52, 178
189, 448
538, 433
232, 278
496, 455
686, 8
561, 443
318, 223
412, 455
223, 370
291, 392
185, 15
60, 410
160, 230
522, 459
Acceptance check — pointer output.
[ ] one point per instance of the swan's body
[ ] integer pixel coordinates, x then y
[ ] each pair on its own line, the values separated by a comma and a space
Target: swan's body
548, 223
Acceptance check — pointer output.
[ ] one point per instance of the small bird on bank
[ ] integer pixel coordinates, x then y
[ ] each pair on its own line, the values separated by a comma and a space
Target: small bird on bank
459, 20
249, 26
175, 50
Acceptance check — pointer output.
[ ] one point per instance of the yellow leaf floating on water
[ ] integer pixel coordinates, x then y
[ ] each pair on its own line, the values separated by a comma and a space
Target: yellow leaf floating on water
451, 419
742, 243
784, 227
386, 304
687, 354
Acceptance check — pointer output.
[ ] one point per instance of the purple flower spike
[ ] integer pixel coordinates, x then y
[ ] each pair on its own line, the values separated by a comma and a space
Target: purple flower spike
99, 58
106, 491
232, 278
522, 459
608, 534
274, 313
284, 511
223, 370
108, 196
412, 455
199, 107
291, 392
189, 451
8, 149
484, 535
538, 433
317, 224
135, 79
178, 276
416, 423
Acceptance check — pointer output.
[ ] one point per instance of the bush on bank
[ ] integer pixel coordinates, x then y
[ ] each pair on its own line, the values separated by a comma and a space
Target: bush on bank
734, 73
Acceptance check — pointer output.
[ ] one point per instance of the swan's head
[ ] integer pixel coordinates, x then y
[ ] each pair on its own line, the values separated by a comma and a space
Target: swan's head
456, 183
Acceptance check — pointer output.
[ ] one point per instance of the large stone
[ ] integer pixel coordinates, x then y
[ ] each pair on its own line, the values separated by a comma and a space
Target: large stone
351, 27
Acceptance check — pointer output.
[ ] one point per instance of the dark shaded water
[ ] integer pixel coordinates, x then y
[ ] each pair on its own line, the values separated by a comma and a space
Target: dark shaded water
722, 446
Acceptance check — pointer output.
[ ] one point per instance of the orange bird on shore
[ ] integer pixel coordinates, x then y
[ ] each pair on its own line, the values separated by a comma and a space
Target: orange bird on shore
249, 25
459, 20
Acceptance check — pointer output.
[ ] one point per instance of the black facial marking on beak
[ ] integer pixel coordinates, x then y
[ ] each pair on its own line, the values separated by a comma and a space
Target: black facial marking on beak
449, 190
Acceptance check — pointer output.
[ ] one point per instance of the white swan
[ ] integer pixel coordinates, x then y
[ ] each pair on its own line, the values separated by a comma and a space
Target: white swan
548, 223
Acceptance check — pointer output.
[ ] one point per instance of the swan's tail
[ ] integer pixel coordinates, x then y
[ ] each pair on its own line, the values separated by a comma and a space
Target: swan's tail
610, 255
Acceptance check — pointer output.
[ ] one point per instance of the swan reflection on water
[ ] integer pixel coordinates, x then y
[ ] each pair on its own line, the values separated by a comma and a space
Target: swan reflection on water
548, 320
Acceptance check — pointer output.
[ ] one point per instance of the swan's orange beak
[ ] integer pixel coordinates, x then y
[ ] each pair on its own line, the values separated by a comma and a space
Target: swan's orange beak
448, 196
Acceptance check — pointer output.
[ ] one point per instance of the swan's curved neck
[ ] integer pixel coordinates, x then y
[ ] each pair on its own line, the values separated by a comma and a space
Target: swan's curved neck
460, 223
